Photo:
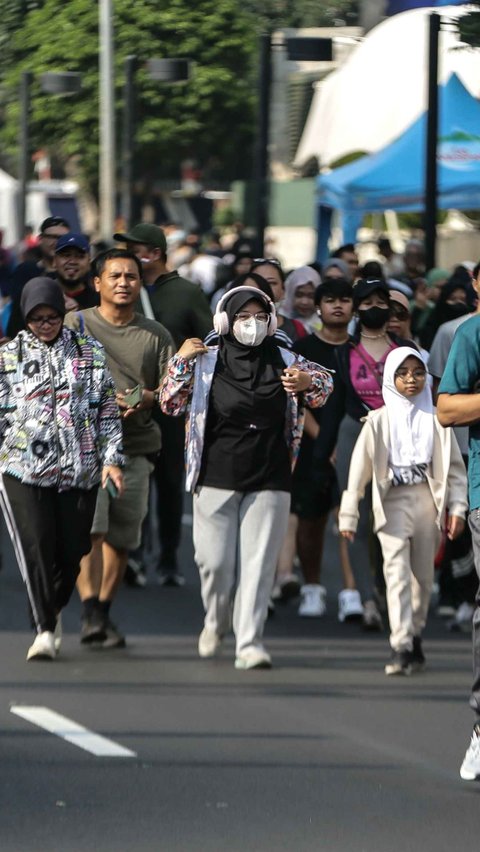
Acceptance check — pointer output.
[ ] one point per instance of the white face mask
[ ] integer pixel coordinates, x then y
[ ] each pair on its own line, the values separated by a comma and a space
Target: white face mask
250, 332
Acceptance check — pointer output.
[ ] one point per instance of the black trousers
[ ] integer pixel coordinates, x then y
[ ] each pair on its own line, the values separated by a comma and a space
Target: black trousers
50, 532
168, 476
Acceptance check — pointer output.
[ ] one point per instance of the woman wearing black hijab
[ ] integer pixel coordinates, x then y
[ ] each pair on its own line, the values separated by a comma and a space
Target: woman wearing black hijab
245, 400
60, 435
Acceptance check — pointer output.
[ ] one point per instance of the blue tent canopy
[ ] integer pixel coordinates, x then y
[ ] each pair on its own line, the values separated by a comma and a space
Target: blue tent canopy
394, 178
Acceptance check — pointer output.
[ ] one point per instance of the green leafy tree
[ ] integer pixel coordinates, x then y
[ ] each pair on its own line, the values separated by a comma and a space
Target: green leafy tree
274, 14
211, 118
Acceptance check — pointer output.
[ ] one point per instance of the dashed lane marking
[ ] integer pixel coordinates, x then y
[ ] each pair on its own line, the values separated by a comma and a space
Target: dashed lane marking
70, 731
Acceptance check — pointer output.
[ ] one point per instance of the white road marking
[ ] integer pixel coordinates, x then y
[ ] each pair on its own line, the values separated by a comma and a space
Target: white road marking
71, 731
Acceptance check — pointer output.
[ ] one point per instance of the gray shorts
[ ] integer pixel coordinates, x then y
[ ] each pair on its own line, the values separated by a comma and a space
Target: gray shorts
120, 519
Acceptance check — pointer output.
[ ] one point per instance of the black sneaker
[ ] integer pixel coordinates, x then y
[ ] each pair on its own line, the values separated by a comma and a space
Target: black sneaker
135, 573
113, 637
399, 663
417, 657
93, 628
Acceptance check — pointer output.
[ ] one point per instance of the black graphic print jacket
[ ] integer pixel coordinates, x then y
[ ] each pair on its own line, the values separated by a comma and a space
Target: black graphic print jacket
59, 420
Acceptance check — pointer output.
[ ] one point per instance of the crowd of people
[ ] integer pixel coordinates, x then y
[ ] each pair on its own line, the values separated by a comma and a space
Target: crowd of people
278, 400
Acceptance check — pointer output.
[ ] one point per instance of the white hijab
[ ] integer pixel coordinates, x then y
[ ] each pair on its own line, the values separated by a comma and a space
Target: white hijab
410, 419
298, 278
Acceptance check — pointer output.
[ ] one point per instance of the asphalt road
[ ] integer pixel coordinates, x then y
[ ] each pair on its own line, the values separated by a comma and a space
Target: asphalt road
323, 752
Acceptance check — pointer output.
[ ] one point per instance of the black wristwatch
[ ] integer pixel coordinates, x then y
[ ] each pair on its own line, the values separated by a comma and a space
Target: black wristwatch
156, 397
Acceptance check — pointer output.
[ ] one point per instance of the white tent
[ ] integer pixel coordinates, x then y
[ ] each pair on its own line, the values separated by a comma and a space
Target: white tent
382, 88
8, 219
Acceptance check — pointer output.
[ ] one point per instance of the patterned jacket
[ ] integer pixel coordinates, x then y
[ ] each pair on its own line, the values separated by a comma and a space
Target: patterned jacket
186, 388
59, 420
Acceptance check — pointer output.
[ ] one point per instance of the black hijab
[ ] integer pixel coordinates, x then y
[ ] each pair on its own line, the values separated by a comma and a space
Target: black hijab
247, 378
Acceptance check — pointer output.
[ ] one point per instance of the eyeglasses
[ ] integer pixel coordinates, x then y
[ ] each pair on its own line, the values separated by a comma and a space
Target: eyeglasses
417, 374
243, 317
50, 320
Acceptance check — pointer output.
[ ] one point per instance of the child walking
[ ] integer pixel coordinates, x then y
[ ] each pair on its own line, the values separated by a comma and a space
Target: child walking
417, 473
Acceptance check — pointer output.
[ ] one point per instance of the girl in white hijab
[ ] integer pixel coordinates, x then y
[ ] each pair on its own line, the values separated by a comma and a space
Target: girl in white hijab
417, 474
299, 302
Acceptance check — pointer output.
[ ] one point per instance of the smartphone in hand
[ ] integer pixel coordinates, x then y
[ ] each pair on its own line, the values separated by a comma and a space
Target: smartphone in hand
133, 397
111, 487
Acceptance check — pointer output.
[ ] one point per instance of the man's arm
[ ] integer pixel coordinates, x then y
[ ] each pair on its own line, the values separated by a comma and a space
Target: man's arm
458, 401
458, 409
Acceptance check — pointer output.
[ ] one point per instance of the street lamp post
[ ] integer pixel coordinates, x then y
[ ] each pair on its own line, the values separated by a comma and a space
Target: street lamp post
63, 83
25, 83
261, 157
162, 71
128, 140
431, 168
300, 49
106, 122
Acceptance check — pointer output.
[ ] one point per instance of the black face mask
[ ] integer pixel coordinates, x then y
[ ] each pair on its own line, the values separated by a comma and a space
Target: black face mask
374, 317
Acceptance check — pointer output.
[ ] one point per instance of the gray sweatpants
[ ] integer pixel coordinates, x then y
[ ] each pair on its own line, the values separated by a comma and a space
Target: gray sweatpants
237, 538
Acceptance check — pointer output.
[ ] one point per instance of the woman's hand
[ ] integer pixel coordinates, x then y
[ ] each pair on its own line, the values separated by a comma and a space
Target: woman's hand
295, 380
192, 347
116, 475
455, 527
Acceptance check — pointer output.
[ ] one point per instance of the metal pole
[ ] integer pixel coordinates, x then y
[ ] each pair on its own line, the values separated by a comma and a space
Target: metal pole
431, 143
261, 159
106, 122
24, 161
128, 139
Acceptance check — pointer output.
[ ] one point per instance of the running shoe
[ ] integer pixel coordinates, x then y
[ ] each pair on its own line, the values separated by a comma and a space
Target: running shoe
399, 664
349, 605
209, 643
43, 647
312, 601
470, 768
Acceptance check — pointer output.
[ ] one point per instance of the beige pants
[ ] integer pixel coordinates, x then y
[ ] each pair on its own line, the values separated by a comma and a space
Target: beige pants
409, 541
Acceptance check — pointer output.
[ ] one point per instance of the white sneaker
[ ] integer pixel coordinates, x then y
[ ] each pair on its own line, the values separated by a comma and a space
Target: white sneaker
43, 647
57, 636
312, 601
470, 768
349, 605
254, 658
209, 643
463, 617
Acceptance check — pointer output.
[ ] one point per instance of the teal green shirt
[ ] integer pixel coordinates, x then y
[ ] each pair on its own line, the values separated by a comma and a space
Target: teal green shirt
462, 375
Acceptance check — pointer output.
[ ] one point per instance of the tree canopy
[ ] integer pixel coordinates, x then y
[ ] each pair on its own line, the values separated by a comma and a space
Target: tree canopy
211, 119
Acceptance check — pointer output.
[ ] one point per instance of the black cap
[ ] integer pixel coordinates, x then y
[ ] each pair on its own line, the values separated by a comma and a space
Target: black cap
53, 222
365, 287
42, 291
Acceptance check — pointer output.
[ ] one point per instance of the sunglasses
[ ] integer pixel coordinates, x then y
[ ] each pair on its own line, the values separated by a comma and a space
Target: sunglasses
272, 260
